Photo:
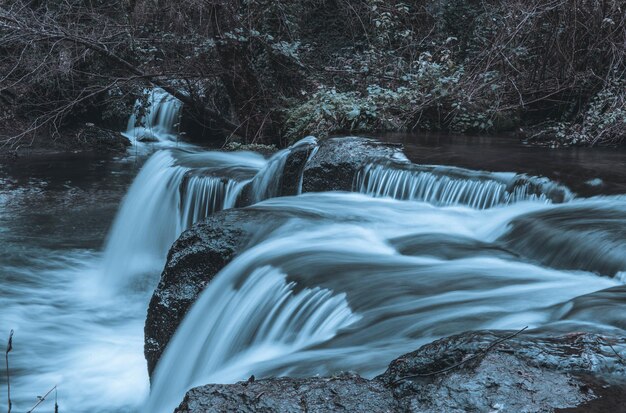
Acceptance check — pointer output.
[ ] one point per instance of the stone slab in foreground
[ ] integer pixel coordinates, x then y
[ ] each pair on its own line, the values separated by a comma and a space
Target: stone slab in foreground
573, 373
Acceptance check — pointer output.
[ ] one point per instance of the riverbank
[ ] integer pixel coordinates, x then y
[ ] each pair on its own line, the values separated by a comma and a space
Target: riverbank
86, 138
272, 71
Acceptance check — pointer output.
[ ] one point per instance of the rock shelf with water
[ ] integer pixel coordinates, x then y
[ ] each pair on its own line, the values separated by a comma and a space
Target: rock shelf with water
327, 280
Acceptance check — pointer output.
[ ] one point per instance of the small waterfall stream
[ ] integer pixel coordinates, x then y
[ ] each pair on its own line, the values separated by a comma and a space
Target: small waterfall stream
267, 183
157, 125
445, 185
257, 321
177, 188
167, 197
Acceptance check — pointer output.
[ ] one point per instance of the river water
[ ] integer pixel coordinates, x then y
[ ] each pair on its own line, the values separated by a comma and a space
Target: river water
350, 282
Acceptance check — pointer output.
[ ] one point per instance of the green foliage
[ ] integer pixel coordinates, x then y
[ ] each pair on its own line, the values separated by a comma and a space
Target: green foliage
329, 111
287, 68
430, 87
603, 122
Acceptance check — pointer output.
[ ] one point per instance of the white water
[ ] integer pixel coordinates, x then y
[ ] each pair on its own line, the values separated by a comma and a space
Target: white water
66, 333
259, 320
396, 301
349, 283
174, 190
166, 198
157, 127
268, 182
444, 185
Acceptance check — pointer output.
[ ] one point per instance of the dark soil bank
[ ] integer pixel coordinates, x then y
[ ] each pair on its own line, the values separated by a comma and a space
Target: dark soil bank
89, 138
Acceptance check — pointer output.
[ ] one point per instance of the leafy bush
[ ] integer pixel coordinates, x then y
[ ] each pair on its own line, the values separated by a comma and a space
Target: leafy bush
287, 68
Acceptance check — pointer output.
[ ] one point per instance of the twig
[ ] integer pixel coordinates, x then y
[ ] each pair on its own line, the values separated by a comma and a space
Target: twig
42, 399
475, 356
616, 353
6, 356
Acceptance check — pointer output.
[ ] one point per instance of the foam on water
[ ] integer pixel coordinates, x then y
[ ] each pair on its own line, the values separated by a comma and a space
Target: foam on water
443, 185
348, 282
393, 299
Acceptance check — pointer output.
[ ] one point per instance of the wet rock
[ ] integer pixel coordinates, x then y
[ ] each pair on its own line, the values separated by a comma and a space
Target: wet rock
337, 161
573, 373
525, 373
147, 138
346, 392
194, 259
98, 139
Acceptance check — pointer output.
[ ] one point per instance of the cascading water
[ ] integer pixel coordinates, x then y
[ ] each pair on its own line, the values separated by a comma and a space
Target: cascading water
258, 320
394, 298
455, 186
339, 281
267, 183
589, 237
174, 190
158, 123
170, 193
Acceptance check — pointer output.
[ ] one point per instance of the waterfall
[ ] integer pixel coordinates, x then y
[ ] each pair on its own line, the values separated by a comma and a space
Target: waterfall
443, 185
201, 196
172, 191
177, 188
311, 155
326, 282
267, 183
249, 314
318, 296
158, 122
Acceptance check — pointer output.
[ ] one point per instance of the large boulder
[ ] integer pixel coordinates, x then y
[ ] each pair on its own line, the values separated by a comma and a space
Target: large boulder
476, 371
345, 392
194, 259
337, 160
490, 371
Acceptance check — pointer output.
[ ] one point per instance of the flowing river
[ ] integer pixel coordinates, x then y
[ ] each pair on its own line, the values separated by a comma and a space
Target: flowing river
348, 281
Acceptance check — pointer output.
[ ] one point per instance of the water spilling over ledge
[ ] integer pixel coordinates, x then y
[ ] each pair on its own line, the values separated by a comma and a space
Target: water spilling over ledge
166, 198
177, 188
157, 123
315, 282
410, 273
254, 317
446, 185
587, 235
